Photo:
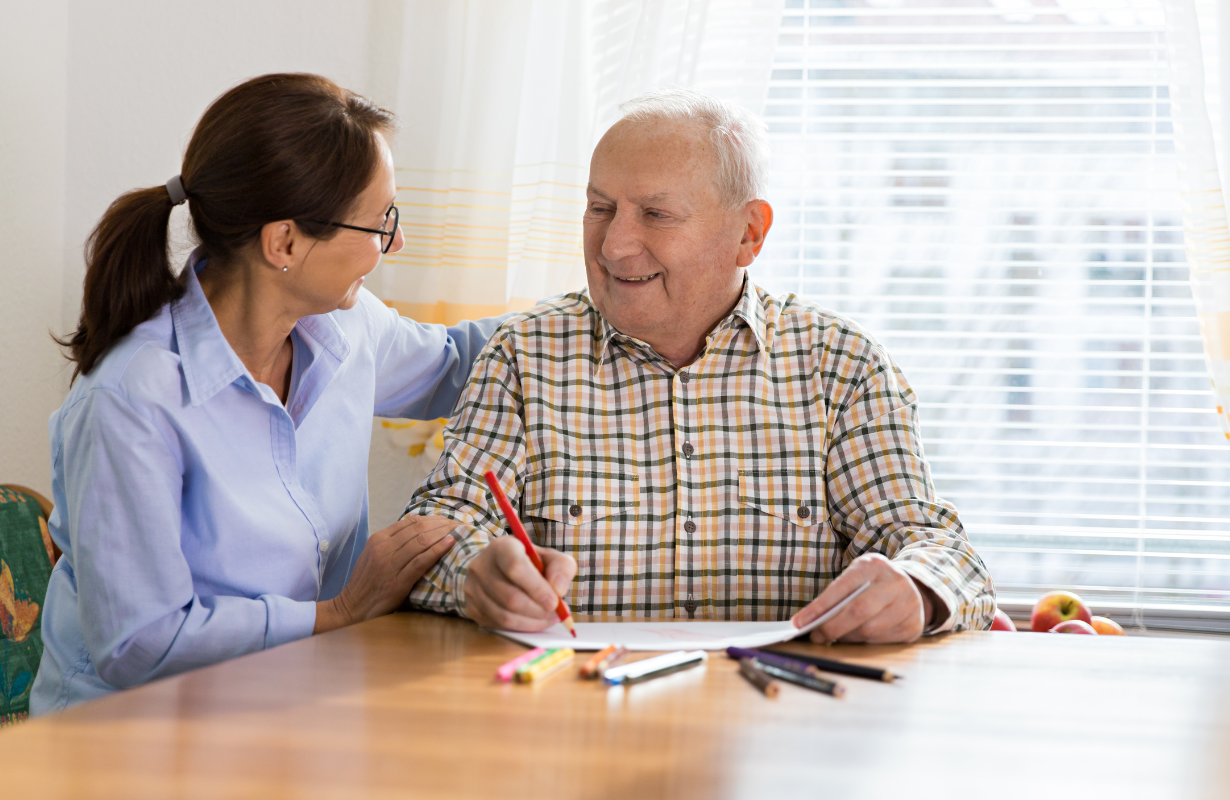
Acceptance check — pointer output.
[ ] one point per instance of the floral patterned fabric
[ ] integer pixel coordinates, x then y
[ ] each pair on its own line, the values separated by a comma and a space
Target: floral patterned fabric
26, 558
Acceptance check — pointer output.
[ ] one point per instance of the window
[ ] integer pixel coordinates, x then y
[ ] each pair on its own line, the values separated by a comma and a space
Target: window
988, 187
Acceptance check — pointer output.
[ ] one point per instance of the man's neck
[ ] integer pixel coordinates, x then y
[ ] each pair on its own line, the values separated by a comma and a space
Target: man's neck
683, 345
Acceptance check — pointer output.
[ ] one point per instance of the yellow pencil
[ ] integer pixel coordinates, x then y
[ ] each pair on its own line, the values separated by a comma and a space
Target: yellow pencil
545, 666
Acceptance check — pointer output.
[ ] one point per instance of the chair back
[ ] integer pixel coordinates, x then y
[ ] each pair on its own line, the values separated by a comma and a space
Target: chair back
27, 556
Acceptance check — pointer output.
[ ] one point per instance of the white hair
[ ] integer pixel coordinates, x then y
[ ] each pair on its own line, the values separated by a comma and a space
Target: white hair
737, 135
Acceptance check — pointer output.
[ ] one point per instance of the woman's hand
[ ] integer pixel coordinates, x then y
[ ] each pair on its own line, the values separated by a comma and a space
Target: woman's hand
389, 566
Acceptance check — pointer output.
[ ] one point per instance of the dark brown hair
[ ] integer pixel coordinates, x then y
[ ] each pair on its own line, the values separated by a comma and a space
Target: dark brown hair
287, 146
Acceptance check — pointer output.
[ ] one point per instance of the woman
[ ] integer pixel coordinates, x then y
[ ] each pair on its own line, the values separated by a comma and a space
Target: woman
210, 462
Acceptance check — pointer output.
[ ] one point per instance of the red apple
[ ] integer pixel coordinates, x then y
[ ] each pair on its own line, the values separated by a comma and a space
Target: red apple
1074, 626
1055, 608
1002, 622
1107, 627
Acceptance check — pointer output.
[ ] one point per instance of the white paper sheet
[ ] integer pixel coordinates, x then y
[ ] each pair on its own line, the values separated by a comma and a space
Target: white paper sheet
674, 634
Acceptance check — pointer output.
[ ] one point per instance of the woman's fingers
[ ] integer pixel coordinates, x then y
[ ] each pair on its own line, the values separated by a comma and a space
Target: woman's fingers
413, 540
424, 560
424, 531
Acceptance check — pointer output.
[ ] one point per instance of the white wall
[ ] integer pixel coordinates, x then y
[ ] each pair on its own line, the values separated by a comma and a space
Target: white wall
33, 87
99, 98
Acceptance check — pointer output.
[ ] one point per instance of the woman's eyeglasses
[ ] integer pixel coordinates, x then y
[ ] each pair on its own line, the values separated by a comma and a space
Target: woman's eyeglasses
389, 230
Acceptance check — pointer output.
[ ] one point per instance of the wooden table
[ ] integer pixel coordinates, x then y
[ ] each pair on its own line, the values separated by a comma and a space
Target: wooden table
405, 706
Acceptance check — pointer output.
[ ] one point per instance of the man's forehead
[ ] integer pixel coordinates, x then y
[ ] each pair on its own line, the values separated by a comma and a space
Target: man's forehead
643, 197
651, 162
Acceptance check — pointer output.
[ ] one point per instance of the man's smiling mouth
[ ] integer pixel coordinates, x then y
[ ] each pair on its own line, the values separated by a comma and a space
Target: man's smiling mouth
639, 280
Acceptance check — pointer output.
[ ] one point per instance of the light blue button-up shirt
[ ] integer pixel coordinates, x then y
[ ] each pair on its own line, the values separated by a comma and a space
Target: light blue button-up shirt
200, 518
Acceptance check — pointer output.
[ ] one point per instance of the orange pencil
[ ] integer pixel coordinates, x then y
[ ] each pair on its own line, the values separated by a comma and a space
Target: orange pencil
510, 516
590, 668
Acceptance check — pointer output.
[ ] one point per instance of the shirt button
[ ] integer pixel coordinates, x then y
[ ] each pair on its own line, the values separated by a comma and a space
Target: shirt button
689, 526
684, 377
324, 545
804, 512
688, 449
299, 408
574, 510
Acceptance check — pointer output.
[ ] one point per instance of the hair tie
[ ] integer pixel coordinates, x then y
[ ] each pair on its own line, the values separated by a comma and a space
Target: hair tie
175, 188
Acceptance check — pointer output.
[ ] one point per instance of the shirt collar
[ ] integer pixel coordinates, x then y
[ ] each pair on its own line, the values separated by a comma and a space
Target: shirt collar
750, 309
206, 357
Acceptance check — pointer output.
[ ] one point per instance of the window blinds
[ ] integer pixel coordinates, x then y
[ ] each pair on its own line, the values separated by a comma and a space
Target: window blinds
988, 188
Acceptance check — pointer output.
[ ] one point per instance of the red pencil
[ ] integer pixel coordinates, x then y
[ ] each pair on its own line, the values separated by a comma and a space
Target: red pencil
565, 616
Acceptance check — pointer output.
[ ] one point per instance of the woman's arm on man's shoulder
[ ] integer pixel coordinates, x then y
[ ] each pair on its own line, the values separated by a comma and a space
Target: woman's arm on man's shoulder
421, 369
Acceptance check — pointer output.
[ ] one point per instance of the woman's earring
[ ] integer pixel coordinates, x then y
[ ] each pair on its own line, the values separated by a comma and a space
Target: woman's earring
284, 269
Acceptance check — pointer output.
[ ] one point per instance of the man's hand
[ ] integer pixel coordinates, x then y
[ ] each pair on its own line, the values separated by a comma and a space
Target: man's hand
504, 590
894, 609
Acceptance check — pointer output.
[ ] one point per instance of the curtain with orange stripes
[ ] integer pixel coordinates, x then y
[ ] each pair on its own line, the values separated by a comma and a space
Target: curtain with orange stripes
1206, 234
500, 104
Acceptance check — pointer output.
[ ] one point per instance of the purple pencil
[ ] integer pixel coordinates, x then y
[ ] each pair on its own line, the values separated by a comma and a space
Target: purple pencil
779, 661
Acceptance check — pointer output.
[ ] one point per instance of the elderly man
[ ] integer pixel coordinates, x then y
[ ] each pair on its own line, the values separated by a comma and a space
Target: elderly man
683, 444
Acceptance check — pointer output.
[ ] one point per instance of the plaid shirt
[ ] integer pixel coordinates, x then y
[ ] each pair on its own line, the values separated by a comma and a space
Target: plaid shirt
737, 487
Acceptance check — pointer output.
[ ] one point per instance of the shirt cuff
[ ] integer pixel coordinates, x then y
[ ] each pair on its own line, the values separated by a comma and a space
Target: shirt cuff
947, 616
288, 620
461, 569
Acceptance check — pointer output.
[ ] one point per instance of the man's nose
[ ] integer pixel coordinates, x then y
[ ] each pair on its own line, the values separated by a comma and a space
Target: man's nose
622, 237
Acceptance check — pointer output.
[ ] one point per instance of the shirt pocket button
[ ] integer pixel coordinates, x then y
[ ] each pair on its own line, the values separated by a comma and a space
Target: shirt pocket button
804, 512
574, 510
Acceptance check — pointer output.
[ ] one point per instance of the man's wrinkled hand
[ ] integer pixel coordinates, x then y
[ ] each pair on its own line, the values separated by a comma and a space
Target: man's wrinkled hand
894, 609
504, 590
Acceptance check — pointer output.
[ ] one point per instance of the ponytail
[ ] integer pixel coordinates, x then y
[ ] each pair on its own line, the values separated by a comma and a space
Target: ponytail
127, 275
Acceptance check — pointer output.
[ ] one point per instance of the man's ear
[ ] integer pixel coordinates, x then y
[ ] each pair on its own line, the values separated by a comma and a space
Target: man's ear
279, 243
758, 218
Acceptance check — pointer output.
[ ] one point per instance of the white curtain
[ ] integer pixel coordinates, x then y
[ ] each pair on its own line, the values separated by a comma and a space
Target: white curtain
501, 103
1205, 230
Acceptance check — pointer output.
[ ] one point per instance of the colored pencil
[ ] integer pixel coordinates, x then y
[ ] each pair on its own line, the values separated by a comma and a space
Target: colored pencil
506, 670
807, 681
655, 667
758, 677
776, 659
514, 522
594, 666
611, 660
540, 668
842, 667
531, 662
660, 673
